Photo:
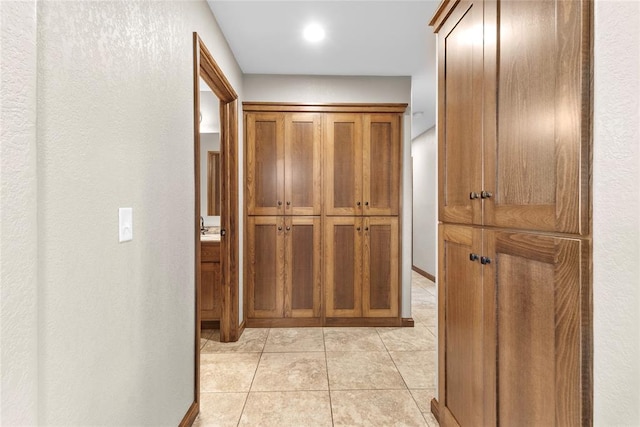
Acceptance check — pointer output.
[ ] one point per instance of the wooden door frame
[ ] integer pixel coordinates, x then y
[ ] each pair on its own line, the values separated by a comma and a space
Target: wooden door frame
205, 67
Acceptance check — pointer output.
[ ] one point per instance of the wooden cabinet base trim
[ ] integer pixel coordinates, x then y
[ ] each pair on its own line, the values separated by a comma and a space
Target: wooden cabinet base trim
291, 322
210, 324
408, 322
363, 321
435, 409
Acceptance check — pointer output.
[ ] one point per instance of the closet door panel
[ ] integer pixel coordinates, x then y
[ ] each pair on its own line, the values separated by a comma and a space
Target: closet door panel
343, 266
461, 336
343, 164
302, 298
460, 125
265, 163
537, 106
381, 164
302, 164
538, 290
266, 251
380, 261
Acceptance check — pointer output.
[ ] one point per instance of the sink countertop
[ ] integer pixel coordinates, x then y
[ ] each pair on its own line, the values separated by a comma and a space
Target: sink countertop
210, 237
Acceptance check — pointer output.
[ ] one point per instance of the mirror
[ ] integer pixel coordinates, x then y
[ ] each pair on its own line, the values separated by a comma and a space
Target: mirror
209, 156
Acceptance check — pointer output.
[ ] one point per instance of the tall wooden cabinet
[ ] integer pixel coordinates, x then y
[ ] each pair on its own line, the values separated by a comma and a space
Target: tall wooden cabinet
515, 331
323, 205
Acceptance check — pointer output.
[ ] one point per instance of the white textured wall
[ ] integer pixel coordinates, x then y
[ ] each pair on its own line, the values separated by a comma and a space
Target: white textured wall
424, 150
95, 332
18, 215
616, 214
327, 89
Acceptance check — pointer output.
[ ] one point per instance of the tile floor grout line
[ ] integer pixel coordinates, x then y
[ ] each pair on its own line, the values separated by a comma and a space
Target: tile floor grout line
326, 363
253, 378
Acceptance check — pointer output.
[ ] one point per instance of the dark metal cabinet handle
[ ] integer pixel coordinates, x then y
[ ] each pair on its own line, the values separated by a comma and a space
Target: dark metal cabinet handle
279, 228
485, 194
474, 257
358, 228
357, 203
288, 203
223, 232
485, 260
288, 228
366, 229
279, 203
366, 203
473, 195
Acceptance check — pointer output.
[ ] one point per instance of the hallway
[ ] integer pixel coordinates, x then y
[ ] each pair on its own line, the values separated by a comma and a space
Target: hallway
324, 376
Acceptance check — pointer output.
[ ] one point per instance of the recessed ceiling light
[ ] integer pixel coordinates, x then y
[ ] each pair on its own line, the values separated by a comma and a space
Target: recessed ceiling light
313, 33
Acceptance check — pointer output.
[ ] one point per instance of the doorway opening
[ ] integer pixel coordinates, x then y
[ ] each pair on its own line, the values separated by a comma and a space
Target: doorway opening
206, 71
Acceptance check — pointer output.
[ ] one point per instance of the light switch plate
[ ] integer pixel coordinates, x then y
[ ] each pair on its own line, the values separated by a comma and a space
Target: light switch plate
125, 224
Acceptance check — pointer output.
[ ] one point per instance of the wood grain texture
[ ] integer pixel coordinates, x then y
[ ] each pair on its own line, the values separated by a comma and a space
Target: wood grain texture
464, 328
303, 266
380, 267
210, 306
343, 164
537, 116
264, 154
539, 319
303, 175
343, 266
266, 252
460, 122
381, 149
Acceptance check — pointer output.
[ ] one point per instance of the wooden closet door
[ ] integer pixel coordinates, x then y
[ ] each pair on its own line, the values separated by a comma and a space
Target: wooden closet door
461, 327
536, 284
381, 267
460, 119
381, 164
302, 164
265, 163
265, 252
537, 115
343, 164
302, 267
343, 266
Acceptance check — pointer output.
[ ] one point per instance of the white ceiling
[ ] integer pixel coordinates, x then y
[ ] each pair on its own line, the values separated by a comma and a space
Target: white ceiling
363, 38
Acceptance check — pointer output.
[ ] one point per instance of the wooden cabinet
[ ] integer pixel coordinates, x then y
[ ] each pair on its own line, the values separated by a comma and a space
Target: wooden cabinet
362, 266
513, 327
514, 106
316, 172
283, 163
210, 281
284, 267
362, 164
514, 334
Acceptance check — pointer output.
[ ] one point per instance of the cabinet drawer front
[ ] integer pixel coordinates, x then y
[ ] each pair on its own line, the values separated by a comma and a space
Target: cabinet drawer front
210, 252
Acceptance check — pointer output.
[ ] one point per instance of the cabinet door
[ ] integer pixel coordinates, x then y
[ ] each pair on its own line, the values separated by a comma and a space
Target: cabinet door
461, 327
302, 164
265, 163
343, 266
460, 119
381, 272
302, 267
537, 115
265, 252
381, 164
211, 291
343, 164
535, 282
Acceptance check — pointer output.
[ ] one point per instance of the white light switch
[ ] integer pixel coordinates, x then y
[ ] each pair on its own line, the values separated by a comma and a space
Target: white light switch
125, 224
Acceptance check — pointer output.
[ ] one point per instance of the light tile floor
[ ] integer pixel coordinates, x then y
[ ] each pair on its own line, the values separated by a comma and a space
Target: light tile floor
324, 376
